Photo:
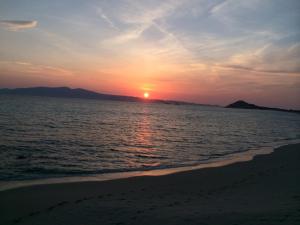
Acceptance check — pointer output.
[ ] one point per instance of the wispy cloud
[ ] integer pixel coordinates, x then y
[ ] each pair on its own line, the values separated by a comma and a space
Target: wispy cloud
31, 68
140, 13
15, 25
217, 7
107, 19
251, 69
126, 36
270, 58
138, 18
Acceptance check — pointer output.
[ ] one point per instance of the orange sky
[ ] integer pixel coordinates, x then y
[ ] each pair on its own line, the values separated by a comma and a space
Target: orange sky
211, 52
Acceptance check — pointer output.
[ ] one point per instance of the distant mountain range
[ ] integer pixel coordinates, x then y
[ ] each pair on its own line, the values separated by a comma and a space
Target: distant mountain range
245, 105
66, 92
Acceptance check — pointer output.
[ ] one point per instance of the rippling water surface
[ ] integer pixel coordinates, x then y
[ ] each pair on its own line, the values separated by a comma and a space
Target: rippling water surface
51, 137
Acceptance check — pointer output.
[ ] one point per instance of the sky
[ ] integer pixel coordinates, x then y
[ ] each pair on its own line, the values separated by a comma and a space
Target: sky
203, 51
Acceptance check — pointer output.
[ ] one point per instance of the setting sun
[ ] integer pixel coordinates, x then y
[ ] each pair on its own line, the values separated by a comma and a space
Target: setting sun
146, 95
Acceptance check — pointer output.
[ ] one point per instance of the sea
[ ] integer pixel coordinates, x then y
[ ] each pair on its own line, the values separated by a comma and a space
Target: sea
46, 139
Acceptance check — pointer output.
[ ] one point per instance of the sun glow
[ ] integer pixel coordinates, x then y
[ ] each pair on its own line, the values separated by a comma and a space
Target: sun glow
146, 95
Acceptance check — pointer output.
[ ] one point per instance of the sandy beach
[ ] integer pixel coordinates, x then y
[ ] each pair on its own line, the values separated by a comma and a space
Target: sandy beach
265, 190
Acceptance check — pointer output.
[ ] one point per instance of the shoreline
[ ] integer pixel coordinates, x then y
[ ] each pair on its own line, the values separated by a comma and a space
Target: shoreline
264, 190
230, 159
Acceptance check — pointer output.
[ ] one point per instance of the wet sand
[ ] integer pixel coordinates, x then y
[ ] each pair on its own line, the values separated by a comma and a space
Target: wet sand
265, 190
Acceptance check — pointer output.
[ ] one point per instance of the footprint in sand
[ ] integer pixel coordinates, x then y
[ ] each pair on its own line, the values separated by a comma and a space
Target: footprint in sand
51, 208
57, 205
119, 223
133, 218
62, 203
152, 207
34, 213
78, 201
18, 220
139, 211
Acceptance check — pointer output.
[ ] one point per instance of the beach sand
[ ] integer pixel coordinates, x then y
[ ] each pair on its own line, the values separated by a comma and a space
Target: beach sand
265, 190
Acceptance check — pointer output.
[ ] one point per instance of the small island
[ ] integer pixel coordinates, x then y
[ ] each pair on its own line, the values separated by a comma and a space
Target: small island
240, 104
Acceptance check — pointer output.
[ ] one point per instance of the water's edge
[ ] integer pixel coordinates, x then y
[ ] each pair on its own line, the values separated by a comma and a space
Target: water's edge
230, 159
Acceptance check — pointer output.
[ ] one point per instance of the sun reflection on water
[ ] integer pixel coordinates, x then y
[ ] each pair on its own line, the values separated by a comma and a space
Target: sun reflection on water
142, 147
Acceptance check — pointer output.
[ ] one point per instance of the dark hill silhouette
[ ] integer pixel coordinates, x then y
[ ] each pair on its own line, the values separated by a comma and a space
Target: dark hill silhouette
66, 92
245, 105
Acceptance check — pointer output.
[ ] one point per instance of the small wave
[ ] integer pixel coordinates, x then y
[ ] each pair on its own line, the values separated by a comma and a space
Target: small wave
50, 126
149, 156
22, 157
40, 172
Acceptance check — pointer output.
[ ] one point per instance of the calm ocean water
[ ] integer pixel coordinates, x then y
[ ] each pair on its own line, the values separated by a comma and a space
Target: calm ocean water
51, 137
